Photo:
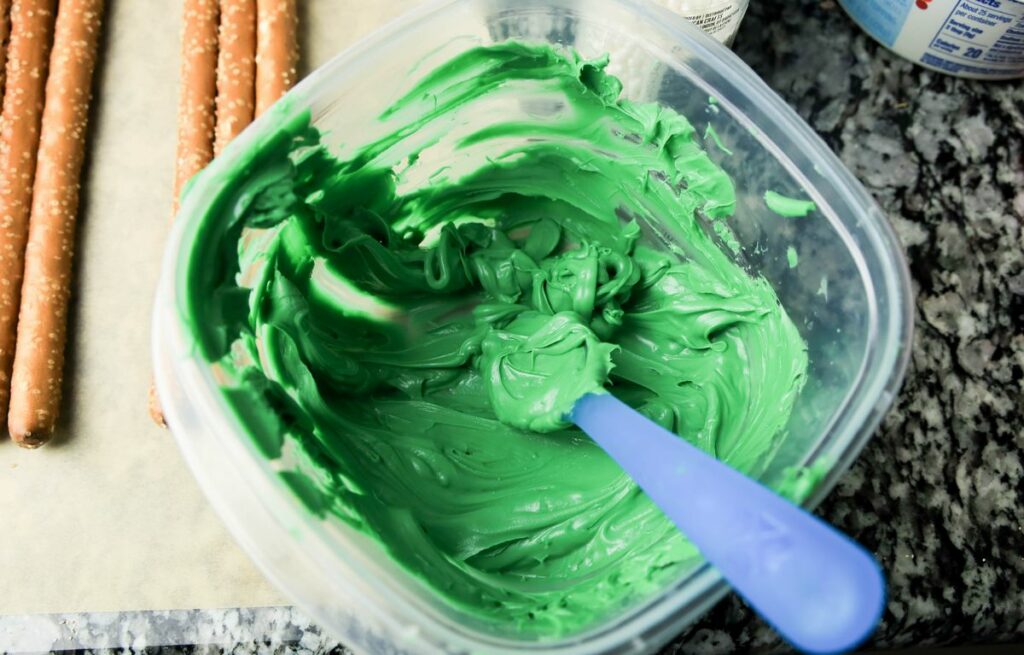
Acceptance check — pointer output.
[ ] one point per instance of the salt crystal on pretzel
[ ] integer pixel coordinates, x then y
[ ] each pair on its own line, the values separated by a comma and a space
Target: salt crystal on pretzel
5, 31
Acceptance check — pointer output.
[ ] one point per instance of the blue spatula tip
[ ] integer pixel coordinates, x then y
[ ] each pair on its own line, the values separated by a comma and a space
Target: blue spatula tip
819, 589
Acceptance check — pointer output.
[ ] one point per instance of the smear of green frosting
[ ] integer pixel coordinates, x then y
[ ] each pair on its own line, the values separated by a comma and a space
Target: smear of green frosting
799, 482
788, 207
391, 323
712, 134
792, 257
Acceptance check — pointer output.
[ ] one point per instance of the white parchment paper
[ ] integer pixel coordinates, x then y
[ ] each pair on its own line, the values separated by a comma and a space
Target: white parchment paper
107, 517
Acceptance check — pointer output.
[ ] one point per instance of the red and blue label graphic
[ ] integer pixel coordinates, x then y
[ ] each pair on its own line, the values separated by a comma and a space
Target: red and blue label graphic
882, 18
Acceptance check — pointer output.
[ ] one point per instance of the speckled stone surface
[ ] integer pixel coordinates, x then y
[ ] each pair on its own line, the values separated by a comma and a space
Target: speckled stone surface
938, 494
251, 630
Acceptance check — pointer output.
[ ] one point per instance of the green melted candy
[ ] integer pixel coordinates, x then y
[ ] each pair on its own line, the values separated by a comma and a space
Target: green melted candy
406, 324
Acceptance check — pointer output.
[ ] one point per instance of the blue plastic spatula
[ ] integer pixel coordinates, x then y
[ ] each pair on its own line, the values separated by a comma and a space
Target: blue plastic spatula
819, 589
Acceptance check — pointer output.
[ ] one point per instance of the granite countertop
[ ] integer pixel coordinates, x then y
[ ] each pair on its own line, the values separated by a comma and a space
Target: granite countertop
938, 494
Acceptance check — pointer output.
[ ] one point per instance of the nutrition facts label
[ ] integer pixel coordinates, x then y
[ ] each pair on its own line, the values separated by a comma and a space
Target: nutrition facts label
976, 38
979, 36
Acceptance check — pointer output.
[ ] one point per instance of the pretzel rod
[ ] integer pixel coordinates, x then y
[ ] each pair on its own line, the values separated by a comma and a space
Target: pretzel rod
42, 324
277, 51
196, 110
196, 104
27, 56
236, 70
5, 31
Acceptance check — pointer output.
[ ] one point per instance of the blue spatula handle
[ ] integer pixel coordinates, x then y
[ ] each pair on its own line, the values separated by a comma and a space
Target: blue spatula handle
820, 590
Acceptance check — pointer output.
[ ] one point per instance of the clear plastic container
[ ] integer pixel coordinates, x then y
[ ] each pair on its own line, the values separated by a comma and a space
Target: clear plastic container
849, 295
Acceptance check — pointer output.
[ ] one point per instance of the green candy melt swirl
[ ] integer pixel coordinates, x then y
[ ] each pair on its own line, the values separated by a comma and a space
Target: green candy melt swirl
405, 325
